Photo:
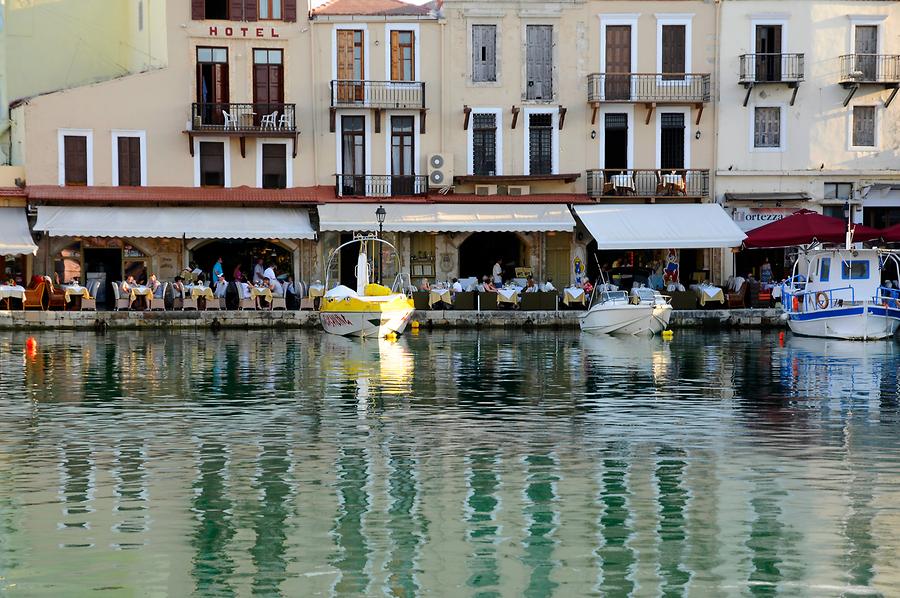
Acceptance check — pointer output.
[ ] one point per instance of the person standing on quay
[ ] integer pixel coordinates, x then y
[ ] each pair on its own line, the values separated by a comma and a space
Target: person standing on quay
258, 271
497, 272
217, 270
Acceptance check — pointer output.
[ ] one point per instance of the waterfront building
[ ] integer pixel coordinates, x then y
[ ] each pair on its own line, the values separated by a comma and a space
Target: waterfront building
807, 94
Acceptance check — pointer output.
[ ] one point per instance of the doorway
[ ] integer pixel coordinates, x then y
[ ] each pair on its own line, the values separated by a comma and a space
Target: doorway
268, 83
671, 136
105, 266
866, 46
615, 141
347, 261
768, 52
479, 252
618, 60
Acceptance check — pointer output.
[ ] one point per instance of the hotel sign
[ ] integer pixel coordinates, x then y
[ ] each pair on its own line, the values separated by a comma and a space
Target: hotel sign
750, 218
260, 32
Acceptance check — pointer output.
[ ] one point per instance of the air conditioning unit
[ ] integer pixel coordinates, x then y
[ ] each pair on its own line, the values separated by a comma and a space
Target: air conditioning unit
518, 190
485, 189
440, 170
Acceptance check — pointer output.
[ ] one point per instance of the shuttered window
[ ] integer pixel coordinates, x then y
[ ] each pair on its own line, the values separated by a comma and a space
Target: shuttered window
212, 164
673, 52
539, 62
540, 143
403, 56
671, 138
864, 126
767, 127
484, 144
75, 156
244, 10
129, 161
484, 53
270, 9
274, 166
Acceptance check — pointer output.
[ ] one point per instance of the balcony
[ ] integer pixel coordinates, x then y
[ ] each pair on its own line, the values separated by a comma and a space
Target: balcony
378, 95
243, 120
380, 185
769, 68
648, 88
870, 69
648, 184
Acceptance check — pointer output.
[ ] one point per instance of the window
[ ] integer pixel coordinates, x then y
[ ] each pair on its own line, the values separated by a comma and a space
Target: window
539, 62
403, 56
540, 143
212, 164
841, 191
673, 52
402, 155
767, 127
274, 166
825, 269
212, 84
833, 211
484, 53
484, 144
270, 9
75, 160
215, 9
855, 270
353, 155
615, 141
128, 152
863, 126
672, 143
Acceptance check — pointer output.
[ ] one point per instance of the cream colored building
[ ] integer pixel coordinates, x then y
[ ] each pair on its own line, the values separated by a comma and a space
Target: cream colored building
807, 111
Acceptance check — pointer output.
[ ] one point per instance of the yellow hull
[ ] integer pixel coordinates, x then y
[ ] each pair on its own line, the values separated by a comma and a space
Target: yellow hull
366, 316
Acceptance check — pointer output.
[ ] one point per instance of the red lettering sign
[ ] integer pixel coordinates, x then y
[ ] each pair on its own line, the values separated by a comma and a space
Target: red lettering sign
244, 31
259, 32
273, 33
214, 31
229, 32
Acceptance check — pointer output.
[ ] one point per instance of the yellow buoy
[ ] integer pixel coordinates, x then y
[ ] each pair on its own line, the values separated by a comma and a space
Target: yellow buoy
414, 324
668, 334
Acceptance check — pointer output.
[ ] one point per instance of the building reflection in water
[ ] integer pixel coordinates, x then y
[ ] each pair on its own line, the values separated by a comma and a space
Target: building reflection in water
285, 463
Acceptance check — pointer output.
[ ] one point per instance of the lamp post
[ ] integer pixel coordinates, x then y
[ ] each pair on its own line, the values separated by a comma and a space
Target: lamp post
380, 214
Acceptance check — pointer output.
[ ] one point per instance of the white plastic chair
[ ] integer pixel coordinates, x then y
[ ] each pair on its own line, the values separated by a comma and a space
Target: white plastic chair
268, 121
91, 304
121, 302
230, 121
247, 302
284, 121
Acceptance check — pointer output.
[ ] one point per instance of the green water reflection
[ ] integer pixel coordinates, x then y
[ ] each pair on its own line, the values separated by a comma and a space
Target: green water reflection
281, 463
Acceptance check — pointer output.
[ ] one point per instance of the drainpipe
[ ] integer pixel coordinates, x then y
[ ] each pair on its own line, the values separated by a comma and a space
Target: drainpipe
716, 97
443, 24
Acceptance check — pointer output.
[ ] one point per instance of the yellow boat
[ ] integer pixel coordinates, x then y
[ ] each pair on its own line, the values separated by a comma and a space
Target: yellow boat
370, 310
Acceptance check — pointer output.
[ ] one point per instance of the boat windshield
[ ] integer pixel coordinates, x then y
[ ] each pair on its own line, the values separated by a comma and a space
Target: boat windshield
614, 296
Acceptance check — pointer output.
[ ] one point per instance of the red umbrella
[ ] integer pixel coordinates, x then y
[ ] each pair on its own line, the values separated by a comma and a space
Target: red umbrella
891, 234
804, 227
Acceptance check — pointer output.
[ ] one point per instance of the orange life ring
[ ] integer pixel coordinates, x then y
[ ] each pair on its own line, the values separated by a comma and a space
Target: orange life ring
821, 300
795, 303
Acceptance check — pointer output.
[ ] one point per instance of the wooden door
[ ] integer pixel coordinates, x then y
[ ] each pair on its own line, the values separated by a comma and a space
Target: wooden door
268, 88
618, 60
350, 61
403, 56
768, 52
539, 62
673, 52
866, 51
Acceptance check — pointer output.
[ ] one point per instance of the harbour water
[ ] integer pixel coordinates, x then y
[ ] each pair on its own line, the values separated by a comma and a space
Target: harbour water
447, 464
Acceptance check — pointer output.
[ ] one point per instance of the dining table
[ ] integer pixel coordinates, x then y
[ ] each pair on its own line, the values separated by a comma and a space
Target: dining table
8, 292
508, 295
75, 290
574, 295
707, 293
198, 291
437, 295
316, 290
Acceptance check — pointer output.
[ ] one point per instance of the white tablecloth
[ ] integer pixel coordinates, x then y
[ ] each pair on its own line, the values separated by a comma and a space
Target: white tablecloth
707, 292
198, 291
671, 179
438, 295
74, 290
8, 292
508, 295
573, 295
622, 181
316, 290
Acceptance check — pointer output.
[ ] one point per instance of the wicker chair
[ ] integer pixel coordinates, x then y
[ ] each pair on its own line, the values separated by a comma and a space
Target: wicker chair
36, 296
278, 303
121, 302
56, 297
738, 299
158, 302
90, 303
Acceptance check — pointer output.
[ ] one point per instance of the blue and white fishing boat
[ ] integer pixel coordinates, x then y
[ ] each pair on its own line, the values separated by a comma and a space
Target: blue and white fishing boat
840, 293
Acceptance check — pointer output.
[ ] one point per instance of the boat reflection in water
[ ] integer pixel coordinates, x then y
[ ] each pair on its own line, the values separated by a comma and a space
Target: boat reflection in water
448, 463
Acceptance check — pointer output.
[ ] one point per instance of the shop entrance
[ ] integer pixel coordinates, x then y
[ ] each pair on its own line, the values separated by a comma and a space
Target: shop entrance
478, 253
348, 258
244, 252
105, 266
750, 261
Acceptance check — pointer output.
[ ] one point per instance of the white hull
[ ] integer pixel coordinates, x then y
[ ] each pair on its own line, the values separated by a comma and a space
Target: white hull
852, 323
634, 320
366, 323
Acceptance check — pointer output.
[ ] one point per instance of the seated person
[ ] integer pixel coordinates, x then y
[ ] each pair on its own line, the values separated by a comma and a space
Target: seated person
178, 287
155, 286
587, 286
292, 300
221, 286
128, 284
456, 287
487, 286
531, 286
548, 286
275, 287
424, 286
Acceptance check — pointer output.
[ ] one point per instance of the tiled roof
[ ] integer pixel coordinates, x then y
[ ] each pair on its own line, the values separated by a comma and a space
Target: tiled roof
369, 8
11, 192
187, 195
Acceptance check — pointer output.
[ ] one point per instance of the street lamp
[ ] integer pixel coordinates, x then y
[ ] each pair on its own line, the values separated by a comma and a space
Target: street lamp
380, 214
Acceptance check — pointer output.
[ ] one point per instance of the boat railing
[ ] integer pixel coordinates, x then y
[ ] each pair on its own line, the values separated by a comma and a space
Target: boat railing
811, 300
889, 297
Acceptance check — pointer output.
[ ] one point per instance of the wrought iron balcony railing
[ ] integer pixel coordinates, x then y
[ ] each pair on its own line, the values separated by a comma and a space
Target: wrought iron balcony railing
347, 93
257, 118
648, 183
648, 87
870, 68
380, 185
771, 68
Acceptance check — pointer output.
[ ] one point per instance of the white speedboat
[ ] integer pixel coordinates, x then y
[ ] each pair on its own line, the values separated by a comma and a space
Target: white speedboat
838, 293
645, 312
370, 310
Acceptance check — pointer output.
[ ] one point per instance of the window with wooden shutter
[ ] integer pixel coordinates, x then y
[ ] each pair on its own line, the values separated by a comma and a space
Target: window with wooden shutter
269, 9
212, 164
198, 10
673, 52
484, 144
290, 10
75, 159
671, 140
864, 126
274, 166
767, 127
484, 53
403, 58
539, 62
540, 143
129, 158
218, 9
251, 10
236, 10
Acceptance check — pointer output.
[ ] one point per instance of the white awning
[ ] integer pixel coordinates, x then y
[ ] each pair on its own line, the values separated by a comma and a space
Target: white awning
434, 218
15, 238
675, 226
191, 223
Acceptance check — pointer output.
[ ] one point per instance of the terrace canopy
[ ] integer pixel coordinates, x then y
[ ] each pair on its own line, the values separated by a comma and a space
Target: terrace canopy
15, 238
805, 227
